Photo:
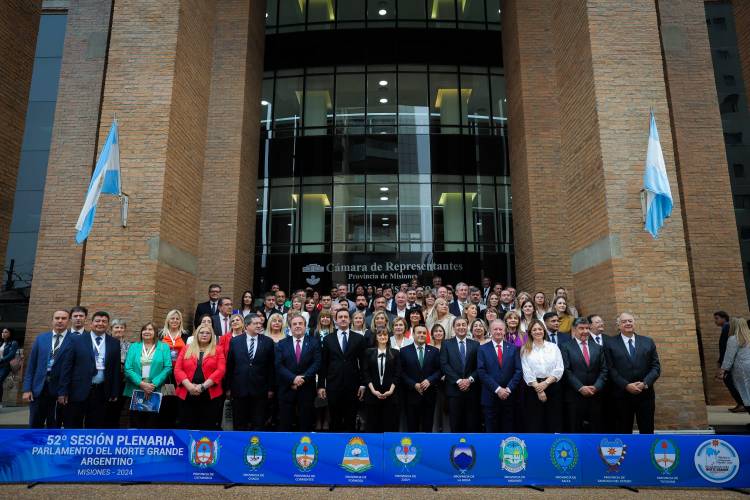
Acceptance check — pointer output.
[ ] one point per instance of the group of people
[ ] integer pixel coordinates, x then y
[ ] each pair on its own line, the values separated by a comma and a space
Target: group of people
417, 359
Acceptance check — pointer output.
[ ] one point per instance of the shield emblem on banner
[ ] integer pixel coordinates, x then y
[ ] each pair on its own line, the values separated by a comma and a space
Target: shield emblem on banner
463, 456
612, 452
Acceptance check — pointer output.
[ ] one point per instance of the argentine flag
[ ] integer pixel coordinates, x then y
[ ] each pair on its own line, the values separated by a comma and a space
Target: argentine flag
655, 184
106, 180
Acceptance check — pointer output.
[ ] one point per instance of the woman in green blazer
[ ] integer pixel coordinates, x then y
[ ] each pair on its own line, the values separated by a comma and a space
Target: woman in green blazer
147, 367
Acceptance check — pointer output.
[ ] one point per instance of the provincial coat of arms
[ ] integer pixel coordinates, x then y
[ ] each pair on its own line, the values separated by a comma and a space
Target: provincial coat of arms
356, 456
513, 455
305, 454
254, 453
204, 452
564, 454
406, 453
665, 455
463, 456
612, 452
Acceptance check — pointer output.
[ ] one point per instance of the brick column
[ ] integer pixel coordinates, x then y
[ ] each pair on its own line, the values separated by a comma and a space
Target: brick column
534, 145
157, 82
710, 226
227, 227
72, 151
610, 71
741, 10
19, 24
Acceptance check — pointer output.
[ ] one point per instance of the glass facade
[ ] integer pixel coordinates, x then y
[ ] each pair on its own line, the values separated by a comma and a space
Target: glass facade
387, 165
32, 170
308, 15
735, 117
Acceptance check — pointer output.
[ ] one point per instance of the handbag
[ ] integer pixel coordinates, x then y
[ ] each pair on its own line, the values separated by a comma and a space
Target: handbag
15, 363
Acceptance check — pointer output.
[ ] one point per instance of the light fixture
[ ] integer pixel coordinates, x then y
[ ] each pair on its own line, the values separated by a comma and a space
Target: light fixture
384, 189
383, 198
290, 224
382, 12
479, 223
386, 225
383, 83
384, 218
383, 100
264, 103
266, 15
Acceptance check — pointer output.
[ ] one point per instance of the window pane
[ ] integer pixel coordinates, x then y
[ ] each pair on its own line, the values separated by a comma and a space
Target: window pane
350, 104
414, 156
493, 11
283, 217
266, 104
287, 103
412, 10
291, 12
445, 103
349, 218
320, 11
498, 100
442, 10
415, 216
481, 216
38, 132
318, 104
448, 217
413, 107
381, 10
51, 35
382, 213
475, 88
471, 12
351, 13
271, 13
315, 217
46, 76
504, 212
381, 103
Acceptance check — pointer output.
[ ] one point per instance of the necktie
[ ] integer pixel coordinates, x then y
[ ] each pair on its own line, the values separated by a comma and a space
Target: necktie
631, 348
421, 356
344, 342
56, 346
226, 325
500, 354
585, 348
598, 340
213, 308
298, 350
251, 351
99, 341
462, 352
553, 336
382, 366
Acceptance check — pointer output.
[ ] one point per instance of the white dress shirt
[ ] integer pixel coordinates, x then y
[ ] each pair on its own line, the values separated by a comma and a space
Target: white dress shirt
542, 362
340, 335
224, 324
381, 365
625, 341
62, 339
597, 339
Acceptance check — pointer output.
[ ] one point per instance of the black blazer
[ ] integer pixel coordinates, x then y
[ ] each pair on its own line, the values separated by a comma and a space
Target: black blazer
216, 323
578, 374
78, 367
250, 378
341, 371
412, 374
371, 372
562, 338
643, 367
287, 367
450, 363
200, 310
454, 309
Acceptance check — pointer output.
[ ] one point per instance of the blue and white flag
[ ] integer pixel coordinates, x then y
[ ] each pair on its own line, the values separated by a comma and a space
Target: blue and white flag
656, 185
106, 180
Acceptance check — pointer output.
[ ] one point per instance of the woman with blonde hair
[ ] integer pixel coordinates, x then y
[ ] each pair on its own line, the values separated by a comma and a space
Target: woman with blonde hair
513, 333
471, 312
199, 370
399, 340
380, 320
737, 358
237, 325
174, 335
441, 315
275, 328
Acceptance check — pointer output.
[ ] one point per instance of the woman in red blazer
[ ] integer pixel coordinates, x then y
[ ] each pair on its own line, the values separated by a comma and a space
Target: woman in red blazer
198, 373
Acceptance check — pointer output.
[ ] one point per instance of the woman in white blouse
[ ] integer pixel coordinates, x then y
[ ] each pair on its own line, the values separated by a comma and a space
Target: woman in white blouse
399, 340
543, 368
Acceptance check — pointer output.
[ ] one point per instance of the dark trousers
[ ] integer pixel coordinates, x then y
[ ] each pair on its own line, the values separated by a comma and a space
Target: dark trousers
584, 414
4, 372
382, 415
609, 410
498, 417
199, 412
463, 412
249, 413
169, 413
420, 414
342, 407
90, 413
297, 412
544, 416
729, 382
142, 419
639, 406
45, 412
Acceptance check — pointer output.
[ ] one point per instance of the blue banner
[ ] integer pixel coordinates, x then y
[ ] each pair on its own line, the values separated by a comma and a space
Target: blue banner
122, 456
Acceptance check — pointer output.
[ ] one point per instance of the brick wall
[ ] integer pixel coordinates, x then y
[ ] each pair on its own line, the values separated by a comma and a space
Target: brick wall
539, 205
742, 26
157, 83
19, 24
71, 160
227, 230
610, 71
710, 226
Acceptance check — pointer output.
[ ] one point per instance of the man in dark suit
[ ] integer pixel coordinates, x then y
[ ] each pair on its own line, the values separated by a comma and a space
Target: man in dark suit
210, 307
458, 361
43, 373
634, 367
78, 315
506, 302
400, 306
609, 407
499, 369
90, 375
378, 304
250, 376
420, 374
269, 305
552, 323
340, 380
220, 321
297, 361
584, 380
456, 307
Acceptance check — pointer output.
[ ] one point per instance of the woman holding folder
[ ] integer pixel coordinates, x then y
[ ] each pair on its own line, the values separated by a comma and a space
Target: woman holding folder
147, 366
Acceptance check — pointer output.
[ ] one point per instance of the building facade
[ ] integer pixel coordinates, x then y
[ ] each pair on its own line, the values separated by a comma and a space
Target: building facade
308, 142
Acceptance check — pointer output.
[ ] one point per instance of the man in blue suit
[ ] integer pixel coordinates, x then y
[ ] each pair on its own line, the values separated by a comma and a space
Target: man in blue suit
250, 375
499, 369
43, 374
458, 360
90, 375
420, 374
297, 362
552, 323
